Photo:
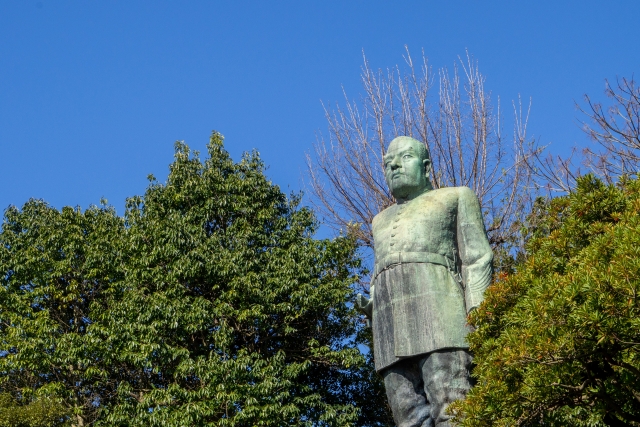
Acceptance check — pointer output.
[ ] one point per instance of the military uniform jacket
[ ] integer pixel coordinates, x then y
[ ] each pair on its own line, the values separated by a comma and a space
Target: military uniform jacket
432, 265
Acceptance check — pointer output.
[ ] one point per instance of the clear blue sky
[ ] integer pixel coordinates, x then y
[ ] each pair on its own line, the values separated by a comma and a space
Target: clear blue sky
94, 93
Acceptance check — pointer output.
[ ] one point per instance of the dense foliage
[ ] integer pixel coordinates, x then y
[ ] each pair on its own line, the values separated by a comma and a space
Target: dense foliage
209, 303
43, 412
58, 270
558, 341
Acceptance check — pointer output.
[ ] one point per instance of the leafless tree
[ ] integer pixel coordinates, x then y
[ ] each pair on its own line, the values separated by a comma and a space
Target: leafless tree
455, 119
555, 174
616, 130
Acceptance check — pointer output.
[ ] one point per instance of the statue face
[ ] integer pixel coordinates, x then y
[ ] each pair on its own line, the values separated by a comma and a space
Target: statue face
405, 170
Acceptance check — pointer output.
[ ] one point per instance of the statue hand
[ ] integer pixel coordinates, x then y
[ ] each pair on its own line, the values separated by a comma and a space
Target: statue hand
365, 305
471, 310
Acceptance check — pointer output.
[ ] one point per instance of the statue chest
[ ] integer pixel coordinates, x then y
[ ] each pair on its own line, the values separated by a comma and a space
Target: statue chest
426, 224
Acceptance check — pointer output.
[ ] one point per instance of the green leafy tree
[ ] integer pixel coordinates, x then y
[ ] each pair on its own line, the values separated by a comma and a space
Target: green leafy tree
43, 412
209, 303
58, 268
558, 341
235, 314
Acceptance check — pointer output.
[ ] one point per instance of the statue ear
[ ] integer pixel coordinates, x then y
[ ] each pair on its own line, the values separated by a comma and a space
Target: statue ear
427, 167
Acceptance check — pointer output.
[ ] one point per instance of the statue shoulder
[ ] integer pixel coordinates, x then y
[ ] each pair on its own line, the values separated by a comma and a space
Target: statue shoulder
466, 193
444, 191
453, 191
447, 194
468, 202
453, 195
381, 215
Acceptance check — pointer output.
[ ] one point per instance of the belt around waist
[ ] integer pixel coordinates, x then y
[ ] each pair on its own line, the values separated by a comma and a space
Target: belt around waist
411, 257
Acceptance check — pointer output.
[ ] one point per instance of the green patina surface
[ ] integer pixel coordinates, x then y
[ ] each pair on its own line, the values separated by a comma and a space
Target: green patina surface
432, 260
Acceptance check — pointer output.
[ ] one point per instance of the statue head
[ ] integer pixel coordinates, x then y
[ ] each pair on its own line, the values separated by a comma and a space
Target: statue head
407, 167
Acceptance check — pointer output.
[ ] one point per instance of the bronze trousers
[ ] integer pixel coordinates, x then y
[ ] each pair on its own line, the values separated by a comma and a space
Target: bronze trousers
420, 388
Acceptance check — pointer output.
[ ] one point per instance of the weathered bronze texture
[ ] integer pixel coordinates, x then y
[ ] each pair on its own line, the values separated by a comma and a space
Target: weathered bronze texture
432, 266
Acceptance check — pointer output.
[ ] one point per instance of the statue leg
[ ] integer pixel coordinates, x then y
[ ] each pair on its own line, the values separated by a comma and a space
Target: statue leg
447, 377
405, 393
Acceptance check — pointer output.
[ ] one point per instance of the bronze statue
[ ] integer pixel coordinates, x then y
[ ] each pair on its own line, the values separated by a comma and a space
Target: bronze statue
432, 265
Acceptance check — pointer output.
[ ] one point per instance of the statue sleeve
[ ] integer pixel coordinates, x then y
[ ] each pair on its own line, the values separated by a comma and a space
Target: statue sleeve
473, 246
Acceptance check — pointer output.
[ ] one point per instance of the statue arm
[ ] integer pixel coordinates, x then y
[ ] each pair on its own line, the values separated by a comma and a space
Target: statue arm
473, 246
364, 304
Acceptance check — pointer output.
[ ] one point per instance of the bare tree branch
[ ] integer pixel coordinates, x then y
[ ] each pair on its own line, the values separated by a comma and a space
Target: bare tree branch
458, 124
616, 129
